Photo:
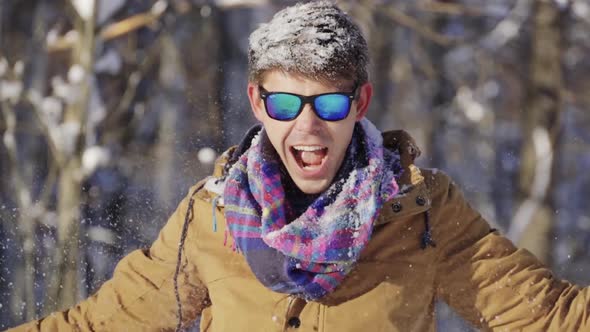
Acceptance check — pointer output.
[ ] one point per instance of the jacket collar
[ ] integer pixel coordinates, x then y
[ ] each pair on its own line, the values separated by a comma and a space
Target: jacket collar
413, 197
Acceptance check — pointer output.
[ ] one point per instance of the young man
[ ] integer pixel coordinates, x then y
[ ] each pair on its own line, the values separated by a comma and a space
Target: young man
319, 222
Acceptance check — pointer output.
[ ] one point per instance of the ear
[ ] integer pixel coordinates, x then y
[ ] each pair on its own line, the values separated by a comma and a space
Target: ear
363, 101
256, 103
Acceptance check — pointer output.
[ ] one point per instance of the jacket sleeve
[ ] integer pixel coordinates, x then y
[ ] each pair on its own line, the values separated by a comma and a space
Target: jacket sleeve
141, 295
495, 285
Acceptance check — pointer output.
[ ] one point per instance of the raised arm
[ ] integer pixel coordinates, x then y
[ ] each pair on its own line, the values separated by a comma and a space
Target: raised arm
141, 294
496, 286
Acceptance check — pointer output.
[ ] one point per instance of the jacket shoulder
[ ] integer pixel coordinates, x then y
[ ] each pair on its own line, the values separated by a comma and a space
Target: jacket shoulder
222, 161
212, 186
437, 182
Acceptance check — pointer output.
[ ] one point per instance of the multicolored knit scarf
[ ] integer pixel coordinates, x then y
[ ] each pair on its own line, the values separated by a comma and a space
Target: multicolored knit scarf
310, 255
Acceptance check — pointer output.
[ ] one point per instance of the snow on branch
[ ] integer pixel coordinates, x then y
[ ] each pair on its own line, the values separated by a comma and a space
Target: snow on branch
111, 31
84, 8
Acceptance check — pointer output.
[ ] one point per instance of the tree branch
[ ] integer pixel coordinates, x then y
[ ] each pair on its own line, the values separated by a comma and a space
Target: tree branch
113, 30
9, 139
438, 7
407, 21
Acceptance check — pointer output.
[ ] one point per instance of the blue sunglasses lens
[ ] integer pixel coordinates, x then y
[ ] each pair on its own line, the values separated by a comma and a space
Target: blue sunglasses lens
332, 107
286, 106
282, 106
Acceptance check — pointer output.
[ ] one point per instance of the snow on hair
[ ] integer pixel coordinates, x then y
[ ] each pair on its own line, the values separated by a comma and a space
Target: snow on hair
314, 39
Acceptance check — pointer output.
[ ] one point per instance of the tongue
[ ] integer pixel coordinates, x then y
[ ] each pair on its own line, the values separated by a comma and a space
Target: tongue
312, 157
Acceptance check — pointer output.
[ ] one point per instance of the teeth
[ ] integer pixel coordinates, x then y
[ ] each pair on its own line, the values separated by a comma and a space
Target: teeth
310, 166
308, 148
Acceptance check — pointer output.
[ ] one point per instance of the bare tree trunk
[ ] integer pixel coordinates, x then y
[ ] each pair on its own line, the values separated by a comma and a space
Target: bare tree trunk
202, 93
533, 222
170, 107
24, 223
68, 234
65, 285
235, 25
381, 43
442, 97
3, 5
35, 81
23, 177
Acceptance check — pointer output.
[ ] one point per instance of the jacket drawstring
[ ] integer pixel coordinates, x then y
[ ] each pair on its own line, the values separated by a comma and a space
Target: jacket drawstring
244, 145
188, 217
214, 204
427, 236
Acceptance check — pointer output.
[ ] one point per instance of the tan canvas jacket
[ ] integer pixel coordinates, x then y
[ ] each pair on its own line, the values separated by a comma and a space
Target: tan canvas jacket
492, 284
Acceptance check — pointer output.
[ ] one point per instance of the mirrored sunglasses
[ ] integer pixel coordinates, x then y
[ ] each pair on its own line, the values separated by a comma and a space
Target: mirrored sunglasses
283, 106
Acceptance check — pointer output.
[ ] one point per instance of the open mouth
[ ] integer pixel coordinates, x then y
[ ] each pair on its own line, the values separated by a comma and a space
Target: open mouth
309, 157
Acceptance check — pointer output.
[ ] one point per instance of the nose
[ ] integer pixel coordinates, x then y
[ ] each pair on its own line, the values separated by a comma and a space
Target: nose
308, 121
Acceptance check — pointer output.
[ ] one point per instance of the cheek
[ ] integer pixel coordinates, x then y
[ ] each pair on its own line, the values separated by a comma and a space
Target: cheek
342, 133
277, 135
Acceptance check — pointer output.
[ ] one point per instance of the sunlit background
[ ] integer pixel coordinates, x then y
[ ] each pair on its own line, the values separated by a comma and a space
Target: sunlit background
111, 110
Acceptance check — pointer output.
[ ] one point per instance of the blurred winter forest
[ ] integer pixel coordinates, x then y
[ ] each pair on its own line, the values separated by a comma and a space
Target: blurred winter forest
111, 109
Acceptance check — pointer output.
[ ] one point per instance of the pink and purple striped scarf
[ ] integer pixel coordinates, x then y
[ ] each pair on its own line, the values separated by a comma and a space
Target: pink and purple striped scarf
308, 255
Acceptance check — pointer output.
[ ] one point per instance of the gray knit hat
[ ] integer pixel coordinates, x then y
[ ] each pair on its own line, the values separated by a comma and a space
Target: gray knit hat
314, 39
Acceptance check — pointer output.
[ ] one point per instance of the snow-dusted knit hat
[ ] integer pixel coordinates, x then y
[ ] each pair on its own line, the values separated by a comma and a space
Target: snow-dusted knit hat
315, 39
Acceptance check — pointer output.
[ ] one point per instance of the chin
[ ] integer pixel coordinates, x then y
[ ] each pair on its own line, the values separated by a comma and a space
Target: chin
312, 187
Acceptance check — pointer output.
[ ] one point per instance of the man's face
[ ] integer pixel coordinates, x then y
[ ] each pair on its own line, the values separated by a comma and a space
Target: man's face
311, 149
